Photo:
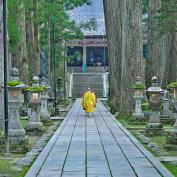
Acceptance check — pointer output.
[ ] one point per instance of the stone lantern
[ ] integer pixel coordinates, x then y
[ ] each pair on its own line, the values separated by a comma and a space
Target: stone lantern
35, 123
44, 114
138, 97
172, 137
50, 100
165, 116
154, 126
16, 132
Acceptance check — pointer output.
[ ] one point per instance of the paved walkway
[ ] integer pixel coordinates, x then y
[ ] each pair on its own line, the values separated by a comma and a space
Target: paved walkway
94, 147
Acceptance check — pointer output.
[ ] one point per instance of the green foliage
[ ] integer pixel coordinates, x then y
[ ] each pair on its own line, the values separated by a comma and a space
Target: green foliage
172, 85
145, 5
14, 83
1, 135
13, 24
70, 4
89, 25
138, 86
172, 168
167, 17
145, 106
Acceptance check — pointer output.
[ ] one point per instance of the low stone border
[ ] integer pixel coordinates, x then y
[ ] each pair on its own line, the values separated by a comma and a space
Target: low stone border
162, 170
30, 156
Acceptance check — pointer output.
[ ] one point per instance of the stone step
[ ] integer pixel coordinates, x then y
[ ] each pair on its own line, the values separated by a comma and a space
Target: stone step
83, 80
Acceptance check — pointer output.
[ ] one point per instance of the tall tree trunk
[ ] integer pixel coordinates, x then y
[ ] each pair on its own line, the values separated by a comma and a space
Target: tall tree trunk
113, 20
124, 33
30, 44
132, 51
22, 54
1, 66
49, 49
162, 52
36, 39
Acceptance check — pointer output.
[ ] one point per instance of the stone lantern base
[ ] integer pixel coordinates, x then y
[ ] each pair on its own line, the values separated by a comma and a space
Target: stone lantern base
34, 126
154, 127
45, 117
18, 140
166, 118
138, 117
171, 143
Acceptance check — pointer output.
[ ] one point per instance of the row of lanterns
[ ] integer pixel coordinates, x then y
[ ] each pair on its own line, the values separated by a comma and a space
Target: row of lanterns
38, 103
156, 95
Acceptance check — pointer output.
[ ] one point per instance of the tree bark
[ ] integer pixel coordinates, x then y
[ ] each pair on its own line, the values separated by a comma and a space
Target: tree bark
30, 44
162, 52
1, 66
36, 39
124, 34
49, 49
21, 61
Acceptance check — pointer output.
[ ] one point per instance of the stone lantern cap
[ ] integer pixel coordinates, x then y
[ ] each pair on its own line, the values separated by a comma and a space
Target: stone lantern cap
154, 87
15, 80
138, 80
35, 81
138, 85
43, 82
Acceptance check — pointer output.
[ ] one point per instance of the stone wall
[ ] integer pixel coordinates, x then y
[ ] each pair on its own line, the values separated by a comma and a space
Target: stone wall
1, 63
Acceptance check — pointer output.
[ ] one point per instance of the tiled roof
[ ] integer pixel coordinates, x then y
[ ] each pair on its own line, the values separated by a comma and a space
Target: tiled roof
86, 13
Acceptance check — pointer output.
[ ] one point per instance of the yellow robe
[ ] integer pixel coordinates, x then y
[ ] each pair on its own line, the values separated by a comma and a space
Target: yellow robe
89, 102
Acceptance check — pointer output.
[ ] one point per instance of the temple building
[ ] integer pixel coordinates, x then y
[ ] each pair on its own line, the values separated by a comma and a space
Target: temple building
90, 52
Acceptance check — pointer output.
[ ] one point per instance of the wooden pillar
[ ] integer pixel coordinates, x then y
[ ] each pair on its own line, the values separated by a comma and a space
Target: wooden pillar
84, 66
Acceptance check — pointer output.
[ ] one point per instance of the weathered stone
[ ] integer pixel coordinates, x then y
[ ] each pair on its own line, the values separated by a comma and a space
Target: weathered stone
17, 136
34, 124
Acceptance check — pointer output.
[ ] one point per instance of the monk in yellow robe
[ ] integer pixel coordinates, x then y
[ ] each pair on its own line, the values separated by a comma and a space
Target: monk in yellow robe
89, 102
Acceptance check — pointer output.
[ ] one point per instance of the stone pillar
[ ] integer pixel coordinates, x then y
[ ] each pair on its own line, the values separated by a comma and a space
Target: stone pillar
171, 143
84, 66
16, 132
34, 124
165, 116
154, 126
44, 114
138, 97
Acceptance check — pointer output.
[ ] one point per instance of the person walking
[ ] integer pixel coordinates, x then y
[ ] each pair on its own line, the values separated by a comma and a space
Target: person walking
89, 102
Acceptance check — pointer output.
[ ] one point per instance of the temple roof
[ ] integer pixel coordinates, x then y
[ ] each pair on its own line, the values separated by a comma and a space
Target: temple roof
85, 13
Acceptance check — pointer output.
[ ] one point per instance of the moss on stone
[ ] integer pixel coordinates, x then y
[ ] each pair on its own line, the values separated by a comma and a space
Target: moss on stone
35, 89
14, 83
138, 86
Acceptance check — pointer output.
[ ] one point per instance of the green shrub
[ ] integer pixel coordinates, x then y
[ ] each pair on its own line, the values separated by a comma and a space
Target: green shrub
145, 106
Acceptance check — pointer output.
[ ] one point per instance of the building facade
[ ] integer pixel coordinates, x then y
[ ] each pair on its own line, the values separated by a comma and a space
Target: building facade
90, 52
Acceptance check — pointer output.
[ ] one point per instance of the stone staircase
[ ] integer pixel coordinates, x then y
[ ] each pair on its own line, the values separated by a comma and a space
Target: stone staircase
81, 81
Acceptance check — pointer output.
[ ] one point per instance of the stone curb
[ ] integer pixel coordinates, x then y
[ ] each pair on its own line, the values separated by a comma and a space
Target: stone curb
157, 164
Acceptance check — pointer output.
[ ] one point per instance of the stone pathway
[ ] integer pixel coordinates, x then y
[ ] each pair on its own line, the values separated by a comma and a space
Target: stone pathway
94, 147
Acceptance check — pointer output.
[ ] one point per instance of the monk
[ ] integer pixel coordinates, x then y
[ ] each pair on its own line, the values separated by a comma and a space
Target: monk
89, 102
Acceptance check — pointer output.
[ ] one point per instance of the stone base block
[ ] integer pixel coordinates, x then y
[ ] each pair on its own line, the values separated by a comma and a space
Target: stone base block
138, 117
154, 129
34, 127
166, 119
171, 147
19, 144
45, 117
17, 132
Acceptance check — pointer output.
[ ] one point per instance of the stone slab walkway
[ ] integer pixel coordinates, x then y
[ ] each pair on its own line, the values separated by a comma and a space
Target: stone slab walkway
94, 147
